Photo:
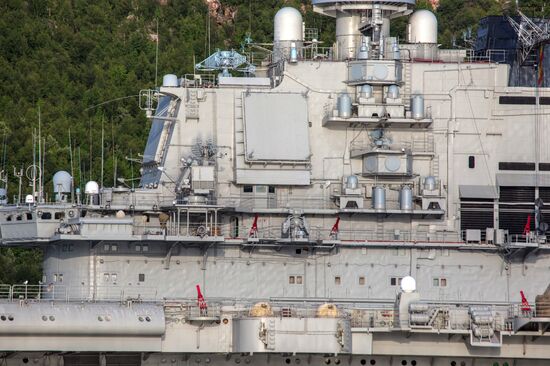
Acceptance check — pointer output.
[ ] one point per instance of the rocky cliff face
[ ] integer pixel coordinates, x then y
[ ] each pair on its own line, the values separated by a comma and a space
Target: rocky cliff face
223, 14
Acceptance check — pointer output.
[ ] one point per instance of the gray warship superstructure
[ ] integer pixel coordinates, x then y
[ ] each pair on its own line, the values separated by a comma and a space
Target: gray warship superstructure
372, 203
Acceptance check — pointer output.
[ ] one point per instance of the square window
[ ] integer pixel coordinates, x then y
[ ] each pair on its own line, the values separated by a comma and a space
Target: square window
395, 251
114, 248
145, 247
443, 282
106, 277
113, 277
64, 248
271, 189
362, 281
60, 278
55, 277
141, 277
436, 282
337, 280
399, 281
71, 247
248, 189
291, 280
138, 248
29, 216
261, 189
106, 247
393, 281
299, 280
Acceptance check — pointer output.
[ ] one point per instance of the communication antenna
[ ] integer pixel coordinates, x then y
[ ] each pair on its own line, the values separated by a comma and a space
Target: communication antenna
39, 156
102, 150
18, 174
72, 168
157, 56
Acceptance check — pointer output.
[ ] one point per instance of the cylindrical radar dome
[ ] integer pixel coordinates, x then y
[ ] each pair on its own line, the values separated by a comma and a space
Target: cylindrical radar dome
288, 25
422, 27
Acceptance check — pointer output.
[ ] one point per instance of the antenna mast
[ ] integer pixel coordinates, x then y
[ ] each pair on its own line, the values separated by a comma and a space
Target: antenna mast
41, 167
72, 170
157, 56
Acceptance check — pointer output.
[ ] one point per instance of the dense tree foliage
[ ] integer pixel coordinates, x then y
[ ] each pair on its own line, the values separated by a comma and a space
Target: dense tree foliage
82, 64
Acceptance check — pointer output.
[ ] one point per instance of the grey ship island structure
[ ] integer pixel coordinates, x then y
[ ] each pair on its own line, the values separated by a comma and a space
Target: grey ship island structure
372, 203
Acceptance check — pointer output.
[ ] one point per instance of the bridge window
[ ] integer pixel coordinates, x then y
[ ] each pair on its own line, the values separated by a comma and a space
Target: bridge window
46, 216
337, 280
395, 281
440, 282
29, 216
362, 281
141, 277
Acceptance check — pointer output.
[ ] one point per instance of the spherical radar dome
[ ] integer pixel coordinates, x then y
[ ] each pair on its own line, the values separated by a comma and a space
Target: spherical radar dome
408, 284
422, 27
288, 25
62, 182
91, 187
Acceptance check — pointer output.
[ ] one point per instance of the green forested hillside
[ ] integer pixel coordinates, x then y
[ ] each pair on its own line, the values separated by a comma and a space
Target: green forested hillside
69, 58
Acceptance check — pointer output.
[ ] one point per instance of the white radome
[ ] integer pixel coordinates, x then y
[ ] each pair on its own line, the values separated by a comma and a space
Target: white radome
288, 25
408, 284
422, 27
91, 188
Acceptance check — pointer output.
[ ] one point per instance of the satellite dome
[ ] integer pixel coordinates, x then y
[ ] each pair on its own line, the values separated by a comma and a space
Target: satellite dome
91, 188
29, 199
288, 25
408, 284
62, 182
422, 27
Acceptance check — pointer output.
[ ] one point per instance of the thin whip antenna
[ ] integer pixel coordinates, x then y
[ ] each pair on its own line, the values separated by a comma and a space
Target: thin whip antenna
72, 169
43, 165
114, 152
102, 150
157, 56
79, 170
4, 158
39, 156
90, 148
34, 163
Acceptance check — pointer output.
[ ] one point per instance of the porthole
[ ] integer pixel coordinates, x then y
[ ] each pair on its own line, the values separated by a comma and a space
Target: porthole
404, 362
413, 362
327, 361
25, 360
140, 318
363, 362
337, 361
287, 361
237, 360
297, 361
3, 317
52, 318
100, 318
44, 317
453, 363
148, 318
10, 318
373, 362
108, 318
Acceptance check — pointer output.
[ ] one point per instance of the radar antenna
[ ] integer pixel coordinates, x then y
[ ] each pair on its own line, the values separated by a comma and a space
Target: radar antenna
530, 34
224, 61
